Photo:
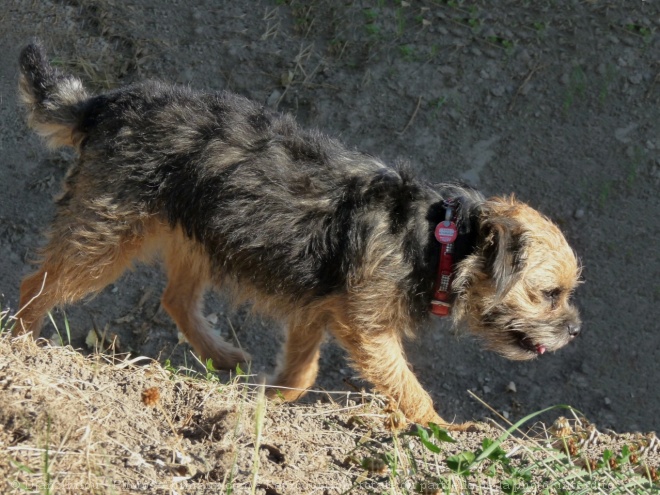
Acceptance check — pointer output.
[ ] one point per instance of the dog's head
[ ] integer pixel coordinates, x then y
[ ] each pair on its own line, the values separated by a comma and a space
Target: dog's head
514, 292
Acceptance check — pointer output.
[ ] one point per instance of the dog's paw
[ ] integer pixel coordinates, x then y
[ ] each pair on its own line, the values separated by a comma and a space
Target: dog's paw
226, 357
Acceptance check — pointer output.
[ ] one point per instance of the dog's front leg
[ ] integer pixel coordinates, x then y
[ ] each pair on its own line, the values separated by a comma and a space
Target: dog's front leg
380, 359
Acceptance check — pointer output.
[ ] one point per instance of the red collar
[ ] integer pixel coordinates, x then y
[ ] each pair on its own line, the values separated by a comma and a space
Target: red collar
445, 233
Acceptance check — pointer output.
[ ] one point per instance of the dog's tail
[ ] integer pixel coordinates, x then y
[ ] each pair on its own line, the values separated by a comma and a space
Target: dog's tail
53, 100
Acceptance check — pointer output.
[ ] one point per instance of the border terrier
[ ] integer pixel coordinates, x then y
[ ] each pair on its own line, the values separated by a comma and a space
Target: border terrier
317, 236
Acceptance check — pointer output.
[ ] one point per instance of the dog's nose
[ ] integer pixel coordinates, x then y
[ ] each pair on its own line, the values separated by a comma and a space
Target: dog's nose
573, 329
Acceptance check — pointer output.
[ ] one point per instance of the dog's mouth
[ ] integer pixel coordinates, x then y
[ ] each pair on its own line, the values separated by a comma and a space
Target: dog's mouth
525, 342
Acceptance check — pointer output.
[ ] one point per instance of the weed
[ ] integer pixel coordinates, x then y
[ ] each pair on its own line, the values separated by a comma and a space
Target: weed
643, 31
610, 74
437, 105
577, 85
605, 193
46, 460
434, 431
407, 52
303, 20
337, 47
435, 49
23, 469
637, 159
370, 15
259, 415
4, 320
507, 44
372, 30
167, 365
67, 329
400, 22
540, 26
473, 20
211, 372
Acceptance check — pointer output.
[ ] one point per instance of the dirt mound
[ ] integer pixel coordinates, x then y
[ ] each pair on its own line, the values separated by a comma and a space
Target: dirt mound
555, 101
115, 424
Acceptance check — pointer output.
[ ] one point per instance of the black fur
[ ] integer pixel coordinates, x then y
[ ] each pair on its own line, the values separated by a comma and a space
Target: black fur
316, 235
288, 210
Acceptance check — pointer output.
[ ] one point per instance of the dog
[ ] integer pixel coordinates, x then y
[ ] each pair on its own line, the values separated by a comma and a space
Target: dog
317, 236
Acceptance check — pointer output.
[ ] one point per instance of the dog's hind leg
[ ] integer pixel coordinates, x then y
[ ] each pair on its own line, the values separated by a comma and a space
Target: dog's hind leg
86, 252
188, 273
299, 365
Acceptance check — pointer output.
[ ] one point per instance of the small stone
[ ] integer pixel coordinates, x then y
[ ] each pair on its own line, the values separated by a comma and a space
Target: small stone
273, 98
135, 460
635, 78
622, 134
486, 389
505, 414
524, 56
511, 387
498, 90
181, 458
579, 213
608, 401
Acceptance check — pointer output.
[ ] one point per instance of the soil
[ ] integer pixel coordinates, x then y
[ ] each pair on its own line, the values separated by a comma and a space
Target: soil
119, 425
557, 102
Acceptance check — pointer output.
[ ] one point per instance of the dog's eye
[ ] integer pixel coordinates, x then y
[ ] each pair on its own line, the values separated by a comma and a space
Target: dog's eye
552, 296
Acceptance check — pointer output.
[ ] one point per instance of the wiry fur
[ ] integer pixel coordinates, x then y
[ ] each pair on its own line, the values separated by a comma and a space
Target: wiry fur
321, 237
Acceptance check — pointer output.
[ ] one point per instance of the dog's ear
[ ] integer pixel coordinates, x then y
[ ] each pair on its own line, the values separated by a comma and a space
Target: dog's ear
503, 242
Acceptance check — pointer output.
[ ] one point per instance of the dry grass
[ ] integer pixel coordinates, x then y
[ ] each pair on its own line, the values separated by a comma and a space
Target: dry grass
72, 424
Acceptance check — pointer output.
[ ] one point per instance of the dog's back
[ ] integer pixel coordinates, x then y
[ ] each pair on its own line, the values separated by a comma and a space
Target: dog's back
283, 208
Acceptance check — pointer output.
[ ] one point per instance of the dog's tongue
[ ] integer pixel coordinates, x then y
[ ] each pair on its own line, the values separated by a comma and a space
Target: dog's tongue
540, 349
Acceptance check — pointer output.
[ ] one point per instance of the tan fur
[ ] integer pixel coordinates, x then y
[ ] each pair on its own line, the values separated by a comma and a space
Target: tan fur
314, 235
68, 93
369, 322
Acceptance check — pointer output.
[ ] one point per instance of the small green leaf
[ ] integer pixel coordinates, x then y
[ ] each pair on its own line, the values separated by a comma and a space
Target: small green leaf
460, 463
423, 435
441, 434
496, 452
511, 487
